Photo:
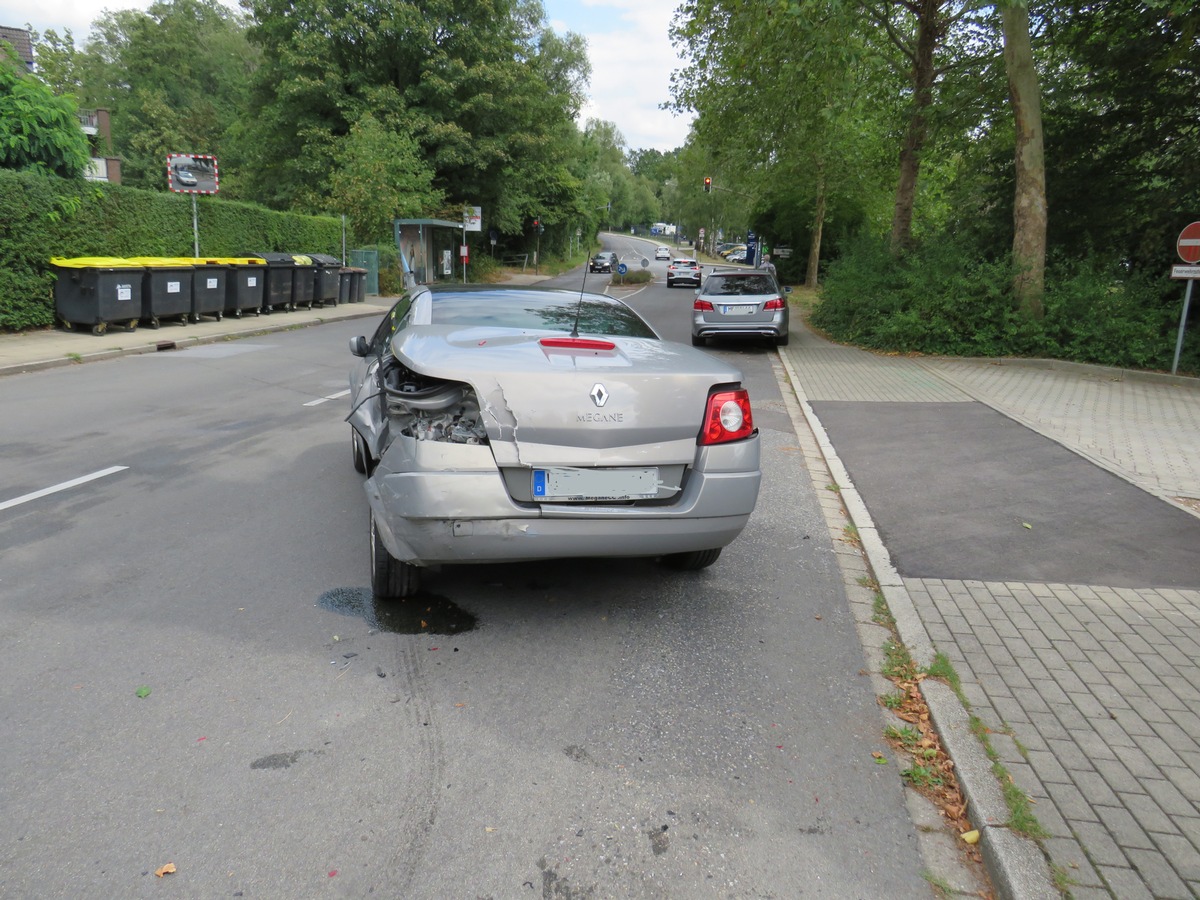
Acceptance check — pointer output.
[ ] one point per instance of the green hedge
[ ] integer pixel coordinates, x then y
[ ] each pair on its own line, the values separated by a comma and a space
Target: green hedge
42, 216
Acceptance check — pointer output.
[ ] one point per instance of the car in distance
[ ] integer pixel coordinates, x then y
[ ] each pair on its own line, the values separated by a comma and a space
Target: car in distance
683, 270
507, 424
185, 177
662, 253
740, 303
604, 261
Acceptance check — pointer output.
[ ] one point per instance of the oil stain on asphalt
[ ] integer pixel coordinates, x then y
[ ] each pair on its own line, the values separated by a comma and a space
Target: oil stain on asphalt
422, 614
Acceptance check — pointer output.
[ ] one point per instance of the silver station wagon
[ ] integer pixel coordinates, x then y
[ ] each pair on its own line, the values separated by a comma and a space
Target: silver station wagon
740, 303
504, 424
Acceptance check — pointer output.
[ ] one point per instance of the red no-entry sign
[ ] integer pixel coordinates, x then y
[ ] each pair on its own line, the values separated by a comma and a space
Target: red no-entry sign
1188, 244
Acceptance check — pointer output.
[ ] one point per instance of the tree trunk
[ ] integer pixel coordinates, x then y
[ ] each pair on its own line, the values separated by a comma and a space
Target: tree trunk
930, 31
812, 274
1029, 204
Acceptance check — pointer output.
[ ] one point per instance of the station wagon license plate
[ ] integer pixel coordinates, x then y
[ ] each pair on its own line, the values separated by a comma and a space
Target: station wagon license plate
562, 483
740, 309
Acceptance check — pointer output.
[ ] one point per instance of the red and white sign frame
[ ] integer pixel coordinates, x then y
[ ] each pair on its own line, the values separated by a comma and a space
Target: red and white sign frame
202, 166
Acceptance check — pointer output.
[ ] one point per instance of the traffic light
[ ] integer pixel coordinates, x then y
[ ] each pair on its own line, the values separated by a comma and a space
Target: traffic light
707, 184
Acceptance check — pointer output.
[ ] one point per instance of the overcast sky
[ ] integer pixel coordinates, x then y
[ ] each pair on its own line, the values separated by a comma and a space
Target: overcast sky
631, 54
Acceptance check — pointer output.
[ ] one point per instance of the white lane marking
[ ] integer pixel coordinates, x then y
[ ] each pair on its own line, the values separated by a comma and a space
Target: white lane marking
336, 396
74, 482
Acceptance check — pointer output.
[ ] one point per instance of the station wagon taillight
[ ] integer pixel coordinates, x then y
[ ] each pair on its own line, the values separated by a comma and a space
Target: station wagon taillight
702, 305
774, 303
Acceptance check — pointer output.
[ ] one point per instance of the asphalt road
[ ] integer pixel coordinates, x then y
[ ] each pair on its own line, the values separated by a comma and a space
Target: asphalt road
575, 729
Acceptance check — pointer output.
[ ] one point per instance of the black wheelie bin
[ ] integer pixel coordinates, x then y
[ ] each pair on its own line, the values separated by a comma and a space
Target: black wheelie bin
326, 279
246, 285
281, 276
166, 289
97, 291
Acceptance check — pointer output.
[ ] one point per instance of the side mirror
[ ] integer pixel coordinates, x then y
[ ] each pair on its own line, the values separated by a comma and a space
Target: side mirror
787, 289
359, 346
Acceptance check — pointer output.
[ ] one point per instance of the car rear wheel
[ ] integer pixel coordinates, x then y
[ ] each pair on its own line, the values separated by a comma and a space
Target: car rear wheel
391, 579
690, 562
781, 341
698, 341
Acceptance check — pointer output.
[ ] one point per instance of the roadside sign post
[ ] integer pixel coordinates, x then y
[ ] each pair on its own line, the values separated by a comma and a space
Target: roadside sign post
1188, 248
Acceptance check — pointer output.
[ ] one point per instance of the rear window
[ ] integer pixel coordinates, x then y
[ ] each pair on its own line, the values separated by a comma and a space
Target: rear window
686, 262
727, 285
531, 312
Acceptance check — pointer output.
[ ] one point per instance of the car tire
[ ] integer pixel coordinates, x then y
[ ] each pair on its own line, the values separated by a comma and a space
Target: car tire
391, 579
781, 340
693, 561
698, 341
358, 450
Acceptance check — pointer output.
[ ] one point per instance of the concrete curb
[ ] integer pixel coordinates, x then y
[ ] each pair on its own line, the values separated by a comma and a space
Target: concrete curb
1016, 865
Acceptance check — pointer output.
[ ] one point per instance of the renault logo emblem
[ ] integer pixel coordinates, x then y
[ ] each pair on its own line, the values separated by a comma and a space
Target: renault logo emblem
599, 395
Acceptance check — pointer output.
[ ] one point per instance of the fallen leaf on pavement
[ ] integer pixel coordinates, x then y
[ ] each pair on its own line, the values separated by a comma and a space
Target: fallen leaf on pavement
166, 869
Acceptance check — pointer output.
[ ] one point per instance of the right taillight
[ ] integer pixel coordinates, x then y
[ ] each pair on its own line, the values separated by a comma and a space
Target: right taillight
727, 417
775, 303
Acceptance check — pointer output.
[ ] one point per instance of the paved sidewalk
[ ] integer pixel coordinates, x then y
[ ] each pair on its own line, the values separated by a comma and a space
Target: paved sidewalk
1091, 692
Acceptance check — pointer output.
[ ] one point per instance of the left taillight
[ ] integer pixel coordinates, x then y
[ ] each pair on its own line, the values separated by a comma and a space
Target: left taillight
727, 417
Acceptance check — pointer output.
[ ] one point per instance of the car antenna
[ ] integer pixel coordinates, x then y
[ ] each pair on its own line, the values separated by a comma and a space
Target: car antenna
579, 306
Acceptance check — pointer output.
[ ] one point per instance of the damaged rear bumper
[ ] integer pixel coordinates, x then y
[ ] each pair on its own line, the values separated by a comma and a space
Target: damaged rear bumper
461, 512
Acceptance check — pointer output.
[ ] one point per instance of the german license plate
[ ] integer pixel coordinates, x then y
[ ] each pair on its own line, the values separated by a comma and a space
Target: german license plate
562, 483
740, 309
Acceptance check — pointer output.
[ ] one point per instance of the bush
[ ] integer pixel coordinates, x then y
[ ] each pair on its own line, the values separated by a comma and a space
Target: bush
941, 299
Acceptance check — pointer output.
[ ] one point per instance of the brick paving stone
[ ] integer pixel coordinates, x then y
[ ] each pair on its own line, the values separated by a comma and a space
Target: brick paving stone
1149, 814
1132, 722
1014, 677
1047, 767
1099, 843
1124, 828
1112, 734
1010, 710
1068, 855
1125, 884
1160, 878
1069, 754
1183, 856
1048, 726
1072, 803
1116, 773
1169, 797
1158, 751
1186, 781
1088, 705
1049, 690
1052, 660
1093, 786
